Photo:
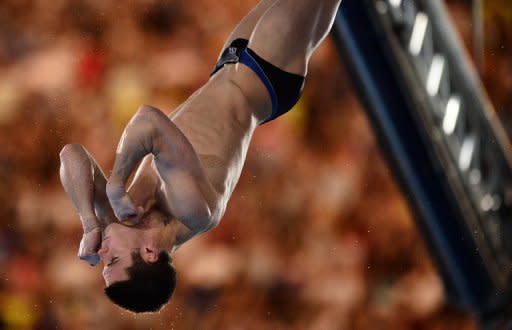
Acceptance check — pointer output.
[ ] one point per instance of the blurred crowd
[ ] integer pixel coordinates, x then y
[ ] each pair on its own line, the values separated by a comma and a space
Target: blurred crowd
317, 234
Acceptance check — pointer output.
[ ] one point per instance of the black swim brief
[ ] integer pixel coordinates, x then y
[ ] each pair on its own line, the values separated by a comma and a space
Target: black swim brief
285, 88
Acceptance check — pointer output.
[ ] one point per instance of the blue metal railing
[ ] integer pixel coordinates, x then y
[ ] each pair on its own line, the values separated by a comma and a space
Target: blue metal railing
447, 206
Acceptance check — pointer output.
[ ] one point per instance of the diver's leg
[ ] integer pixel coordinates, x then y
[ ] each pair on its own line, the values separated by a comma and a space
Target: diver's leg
287, 34
246, 26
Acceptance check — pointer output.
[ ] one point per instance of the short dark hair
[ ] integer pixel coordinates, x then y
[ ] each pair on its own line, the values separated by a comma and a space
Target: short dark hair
149, 285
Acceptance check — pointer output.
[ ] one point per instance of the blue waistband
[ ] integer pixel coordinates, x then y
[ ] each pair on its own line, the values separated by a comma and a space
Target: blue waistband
249, 61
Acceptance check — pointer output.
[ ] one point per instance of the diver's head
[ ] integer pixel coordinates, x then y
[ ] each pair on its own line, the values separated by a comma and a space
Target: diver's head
147, 287
138, 271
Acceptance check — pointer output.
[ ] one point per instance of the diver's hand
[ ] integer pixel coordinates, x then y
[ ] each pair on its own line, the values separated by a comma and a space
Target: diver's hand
122, 205
89, 246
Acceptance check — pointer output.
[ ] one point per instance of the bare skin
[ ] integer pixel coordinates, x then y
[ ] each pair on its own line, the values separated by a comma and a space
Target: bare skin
192, 159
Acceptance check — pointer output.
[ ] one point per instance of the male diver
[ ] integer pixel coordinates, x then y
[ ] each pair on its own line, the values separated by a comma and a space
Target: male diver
190, 161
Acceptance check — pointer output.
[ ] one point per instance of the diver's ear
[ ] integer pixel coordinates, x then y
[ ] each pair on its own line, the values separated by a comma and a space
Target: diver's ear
149, 254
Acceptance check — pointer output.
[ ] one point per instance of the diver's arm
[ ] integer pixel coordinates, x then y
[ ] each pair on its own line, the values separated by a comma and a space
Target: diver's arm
190, 197
84, 182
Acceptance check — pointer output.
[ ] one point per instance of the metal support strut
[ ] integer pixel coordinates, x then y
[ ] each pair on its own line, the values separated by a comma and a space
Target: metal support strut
442, 138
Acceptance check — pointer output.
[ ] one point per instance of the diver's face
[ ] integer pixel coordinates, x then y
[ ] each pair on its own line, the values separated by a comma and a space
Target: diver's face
119, 242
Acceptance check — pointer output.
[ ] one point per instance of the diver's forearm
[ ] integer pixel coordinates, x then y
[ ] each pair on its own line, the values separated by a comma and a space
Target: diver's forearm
84, 182
77, 179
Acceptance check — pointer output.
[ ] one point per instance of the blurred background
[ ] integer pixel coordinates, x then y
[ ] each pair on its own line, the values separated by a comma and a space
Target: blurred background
316, 235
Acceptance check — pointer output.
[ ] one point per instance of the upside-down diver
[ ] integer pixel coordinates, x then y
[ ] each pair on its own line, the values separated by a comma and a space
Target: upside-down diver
190, 160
